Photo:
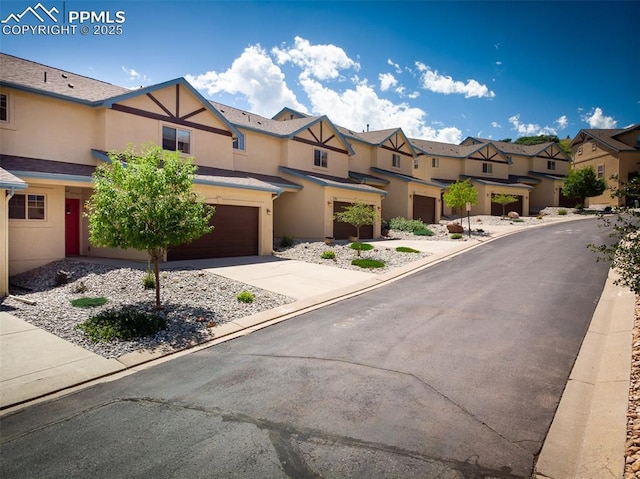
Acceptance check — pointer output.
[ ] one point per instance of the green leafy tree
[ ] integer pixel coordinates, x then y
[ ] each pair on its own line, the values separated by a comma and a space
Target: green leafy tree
357, 214
146, 201
503, 200
624, 251
459, 194
583, 183
536, 140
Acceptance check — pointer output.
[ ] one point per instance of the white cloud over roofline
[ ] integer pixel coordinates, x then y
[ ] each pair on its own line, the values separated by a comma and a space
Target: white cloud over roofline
530, 129
254, 75
387, 80
597, 119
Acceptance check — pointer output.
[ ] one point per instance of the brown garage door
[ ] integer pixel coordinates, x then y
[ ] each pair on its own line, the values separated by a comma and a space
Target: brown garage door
566, 202
342, 230
424, 208
235, 234
496, 209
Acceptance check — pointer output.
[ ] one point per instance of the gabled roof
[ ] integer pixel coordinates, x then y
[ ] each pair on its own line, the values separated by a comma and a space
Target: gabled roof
509, 148
278, 128
290, 111
607, 137
176, 81
36, 77
437, 148
49, 169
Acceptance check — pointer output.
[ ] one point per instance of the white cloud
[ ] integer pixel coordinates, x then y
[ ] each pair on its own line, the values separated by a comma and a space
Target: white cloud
530, 129
414, 94
397, 67
387, 80
498, 63
495, 124
320, 61
435, 82
562, 122
254, 75
357, 107
134, 75
597, 119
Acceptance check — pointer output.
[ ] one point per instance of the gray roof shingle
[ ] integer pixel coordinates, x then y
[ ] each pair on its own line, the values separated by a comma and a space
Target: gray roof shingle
36, 76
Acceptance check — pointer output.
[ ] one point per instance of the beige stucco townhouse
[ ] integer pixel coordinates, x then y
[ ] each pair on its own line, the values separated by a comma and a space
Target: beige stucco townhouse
611, 152
544, 167
486, 166
385, 159
57, 126
313, 156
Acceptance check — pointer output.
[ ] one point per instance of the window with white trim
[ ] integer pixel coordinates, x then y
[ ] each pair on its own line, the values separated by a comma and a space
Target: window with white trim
320, 158
551, 165
593, 146
487, 168
4, 107
175, 139
601, 171
435, 162
580, 150
27, 207
238, 143
416, 163
395, 160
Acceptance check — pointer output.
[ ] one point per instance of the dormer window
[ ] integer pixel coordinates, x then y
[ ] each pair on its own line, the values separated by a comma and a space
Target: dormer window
551, 165
395, 160
416, 163
487, 168
593, 146
320, 158
435, 162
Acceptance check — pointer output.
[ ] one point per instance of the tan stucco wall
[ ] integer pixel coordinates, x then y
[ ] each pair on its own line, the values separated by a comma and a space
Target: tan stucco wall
300, 156
45, 127
263, 154
361, 161
449, 168
208, 149
594, 158
521, 165
33, 243
300, 214
546, 193
540, 166
474, 168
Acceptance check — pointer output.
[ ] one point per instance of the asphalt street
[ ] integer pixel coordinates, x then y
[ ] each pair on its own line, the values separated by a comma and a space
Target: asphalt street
453, 372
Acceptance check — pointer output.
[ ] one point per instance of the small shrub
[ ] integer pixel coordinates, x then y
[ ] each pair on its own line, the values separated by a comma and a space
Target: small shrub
562, 212
80, 287
149, 280
539, 217
328, 255
356, 245
88, 302
405, 249
518, 220
456, 236
124, 324
403, 224
246, 297
423, 232
368, 263
286, 241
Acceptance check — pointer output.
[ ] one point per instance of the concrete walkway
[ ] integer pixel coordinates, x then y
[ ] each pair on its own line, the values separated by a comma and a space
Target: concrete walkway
586, 439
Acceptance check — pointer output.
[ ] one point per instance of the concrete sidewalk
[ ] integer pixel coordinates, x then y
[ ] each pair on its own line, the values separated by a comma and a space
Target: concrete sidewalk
588, 433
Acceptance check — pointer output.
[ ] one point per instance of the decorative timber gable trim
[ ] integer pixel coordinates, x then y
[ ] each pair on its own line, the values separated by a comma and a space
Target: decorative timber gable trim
488, 153
396, 142
322, 132
172, 112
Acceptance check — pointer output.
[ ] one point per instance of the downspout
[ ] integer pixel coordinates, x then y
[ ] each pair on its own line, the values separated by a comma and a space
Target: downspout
8, 195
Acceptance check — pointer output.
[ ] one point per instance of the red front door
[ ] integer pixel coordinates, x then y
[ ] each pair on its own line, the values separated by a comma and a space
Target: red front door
72, 226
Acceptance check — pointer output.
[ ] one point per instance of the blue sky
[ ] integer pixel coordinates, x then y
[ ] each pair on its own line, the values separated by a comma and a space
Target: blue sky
439, 70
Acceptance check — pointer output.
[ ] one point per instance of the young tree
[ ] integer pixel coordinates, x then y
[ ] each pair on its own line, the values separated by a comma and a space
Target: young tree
624, 252
459, 194
504, 200
146, 201
357, 214
583, 183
